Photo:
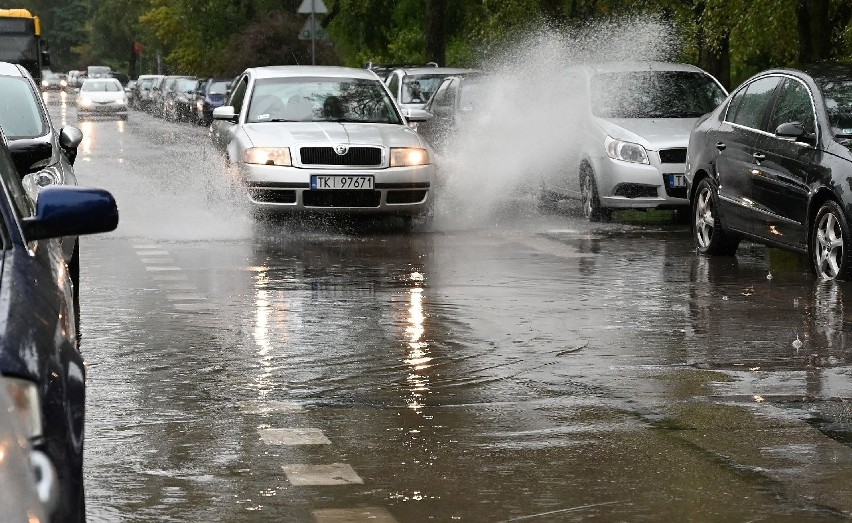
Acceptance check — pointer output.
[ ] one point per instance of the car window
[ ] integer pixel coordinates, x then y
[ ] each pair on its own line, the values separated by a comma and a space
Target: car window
470, 95
218, 87
446, 95
758, 94
837, 94
654, 94
238, 95
419, 88
20, 114
393, 85
306, 99
186, 85
793, 105
101, 85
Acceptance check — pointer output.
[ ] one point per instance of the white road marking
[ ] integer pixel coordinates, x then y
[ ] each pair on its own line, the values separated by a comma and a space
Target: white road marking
294, 437
186, 297
171, 268
353, 515
158, 252
156, 261
333, 474
145, 246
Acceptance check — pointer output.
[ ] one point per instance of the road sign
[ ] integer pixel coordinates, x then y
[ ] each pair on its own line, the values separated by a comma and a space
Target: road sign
312, 29
312, 6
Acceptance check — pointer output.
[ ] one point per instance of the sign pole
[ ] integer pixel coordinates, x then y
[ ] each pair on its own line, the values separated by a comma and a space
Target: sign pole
313, 32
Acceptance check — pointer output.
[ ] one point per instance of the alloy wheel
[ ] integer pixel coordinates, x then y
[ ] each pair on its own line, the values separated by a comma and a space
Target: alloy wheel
829, 246
704, 222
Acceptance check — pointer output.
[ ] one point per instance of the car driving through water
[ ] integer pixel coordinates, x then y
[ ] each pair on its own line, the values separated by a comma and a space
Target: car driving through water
323, 139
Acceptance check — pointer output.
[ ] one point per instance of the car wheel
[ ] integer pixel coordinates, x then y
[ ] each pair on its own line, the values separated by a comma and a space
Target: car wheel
707, 230
830, 243
592, 209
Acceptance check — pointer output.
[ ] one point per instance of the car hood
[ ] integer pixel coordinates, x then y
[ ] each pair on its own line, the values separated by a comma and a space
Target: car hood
286, 134
652, 133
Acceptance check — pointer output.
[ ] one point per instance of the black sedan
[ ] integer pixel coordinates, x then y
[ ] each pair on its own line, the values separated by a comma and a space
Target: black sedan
773, 164
40, 361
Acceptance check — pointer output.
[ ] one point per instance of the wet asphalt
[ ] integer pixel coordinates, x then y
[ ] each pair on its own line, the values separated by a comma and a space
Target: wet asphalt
517, 366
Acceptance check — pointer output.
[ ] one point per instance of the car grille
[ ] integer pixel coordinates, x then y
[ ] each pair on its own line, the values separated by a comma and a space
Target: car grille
634, 190
356, 198
673, 155
360, 156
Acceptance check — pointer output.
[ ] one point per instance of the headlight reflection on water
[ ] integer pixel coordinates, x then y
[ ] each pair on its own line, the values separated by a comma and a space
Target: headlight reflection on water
418, 355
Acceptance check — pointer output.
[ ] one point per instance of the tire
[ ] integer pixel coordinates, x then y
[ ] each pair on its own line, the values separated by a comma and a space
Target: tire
707, 231
591, 202
831, 243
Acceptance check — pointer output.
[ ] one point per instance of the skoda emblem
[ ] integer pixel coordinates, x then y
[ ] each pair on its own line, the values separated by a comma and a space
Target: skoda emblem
341, 149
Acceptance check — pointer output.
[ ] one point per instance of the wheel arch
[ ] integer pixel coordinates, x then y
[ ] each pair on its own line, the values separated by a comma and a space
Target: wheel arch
700, 174
822, 195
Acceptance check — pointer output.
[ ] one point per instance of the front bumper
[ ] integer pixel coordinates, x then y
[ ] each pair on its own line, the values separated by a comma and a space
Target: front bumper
397, 190
102, 108
625, 185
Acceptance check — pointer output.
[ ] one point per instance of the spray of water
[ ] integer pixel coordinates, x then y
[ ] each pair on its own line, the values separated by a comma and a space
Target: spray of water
523, 127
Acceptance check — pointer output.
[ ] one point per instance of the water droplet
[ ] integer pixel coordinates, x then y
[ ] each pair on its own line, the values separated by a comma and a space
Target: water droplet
797, 343
769, 276
724, 298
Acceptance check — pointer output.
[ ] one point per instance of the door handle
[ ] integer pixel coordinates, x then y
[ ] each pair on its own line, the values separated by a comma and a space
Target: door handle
721, 146
759, 157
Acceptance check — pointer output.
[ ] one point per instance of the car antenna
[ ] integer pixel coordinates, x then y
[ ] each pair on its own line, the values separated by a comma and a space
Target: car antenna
294, 58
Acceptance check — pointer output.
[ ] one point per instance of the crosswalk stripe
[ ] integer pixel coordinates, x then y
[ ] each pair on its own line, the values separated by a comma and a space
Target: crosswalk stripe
299, 474
294, 436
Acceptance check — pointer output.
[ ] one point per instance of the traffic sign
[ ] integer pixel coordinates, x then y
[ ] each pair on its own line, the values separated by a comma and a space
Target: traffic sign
312, 6
312, 28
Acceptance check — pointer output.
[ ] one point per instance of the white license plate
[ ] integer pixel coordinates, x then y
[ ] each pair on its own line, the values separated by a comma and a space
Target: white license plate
677, 180
331, 183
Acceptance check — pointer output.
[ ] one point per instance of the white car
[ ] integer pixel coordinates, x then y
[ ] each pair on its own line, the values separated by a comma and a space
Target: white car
632, 126
412, 87
324, 139
101, 96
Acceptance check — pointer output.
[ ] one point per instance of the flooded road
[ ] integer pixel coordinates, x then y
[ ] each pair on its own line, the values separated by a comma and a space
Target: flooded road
520, 367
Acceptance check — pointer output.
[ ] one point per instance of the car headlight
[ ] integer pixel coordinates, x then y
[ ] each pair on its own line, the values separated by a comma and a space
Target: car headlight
44, 83
84, 101
268, 156
63, 83
625, 151
408, 156
24, 395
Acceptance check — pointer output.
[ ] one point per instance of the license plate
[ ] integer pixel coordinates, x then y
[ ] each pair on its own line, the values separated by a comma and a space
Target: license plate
676, 180
331, 183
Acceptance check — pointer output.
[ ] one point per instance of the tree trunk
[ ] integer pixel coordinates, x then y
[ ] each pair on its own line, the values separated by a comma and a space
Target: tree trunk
815, 30
554, 11
131, 70
716, 60
436, 31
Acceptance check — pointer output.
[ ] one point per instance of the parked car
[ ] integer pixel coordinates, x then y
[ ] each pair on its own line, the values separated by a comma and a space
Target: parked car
40, 361
210, 97
632, 123
412, 87
160, 93
142, 91
325, 139
455, 100
52, 82
383, 70
43, 155
74, 78
772, 164
30, 485
179, 99
101, 96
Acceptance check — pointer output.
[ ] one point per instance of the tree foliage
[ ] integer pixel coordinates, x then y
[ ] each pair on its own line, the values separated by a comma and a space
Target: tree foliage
731, 38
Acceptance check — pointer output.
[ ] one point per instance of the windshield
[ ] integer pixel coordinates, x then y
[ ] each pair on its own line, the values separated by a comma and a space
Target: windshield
101, 86
187, 85
18, 48
654, 94
146, 84
218, 88
20, 115
470, 95
837, 93
417, 89
321, 100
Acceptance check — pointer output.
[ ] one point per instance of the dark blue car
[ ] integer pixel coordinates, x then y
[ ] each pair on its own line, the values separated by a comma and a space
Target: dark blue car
212, 97
39, 356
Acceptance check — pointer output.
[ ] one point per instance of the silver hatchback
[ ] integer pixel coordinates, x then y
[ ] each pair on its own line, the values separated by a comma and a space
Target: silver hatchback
323, 139
632, 128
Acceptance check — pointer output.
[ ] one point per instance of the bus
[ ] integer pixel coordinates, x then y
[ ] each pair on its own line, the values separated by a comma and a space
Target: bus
21, 43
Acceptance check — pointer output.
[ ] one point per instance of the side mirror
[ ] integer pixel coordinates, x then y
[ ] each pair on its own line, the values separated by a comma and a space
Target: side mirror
795, 131
66, 210
416, 115
226, 112
29, 155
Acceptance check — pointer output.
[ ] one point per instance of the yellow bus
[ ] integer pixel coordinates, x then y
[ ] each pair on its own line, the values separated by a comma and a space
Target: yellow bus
21, 42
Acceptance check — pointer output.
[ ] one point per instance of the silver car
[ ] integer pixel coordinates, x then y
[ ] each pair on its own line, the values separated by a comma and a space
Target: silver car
413, 87
323, 139
101, 96
632, 128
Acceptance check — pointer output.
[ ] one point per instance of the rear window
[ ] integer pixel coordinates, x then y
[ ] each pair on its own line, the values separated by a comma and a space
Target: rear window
101, 85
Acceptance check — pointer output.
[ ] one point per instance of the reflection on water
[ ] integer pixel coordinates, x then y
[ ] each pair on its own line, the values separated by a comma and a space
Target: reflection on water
262, 337
417, 358
89, 137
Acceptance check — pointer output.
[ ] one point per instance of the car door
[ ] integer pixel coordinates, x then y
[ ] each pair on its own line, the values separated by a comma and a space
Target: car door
223, 130
781, 186
736, 139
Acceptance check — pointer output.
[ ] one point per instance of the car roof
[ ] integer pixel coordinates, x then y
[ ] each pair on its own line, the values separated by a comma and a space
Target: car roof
617, 67
436, 70
295, 71
9, 69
